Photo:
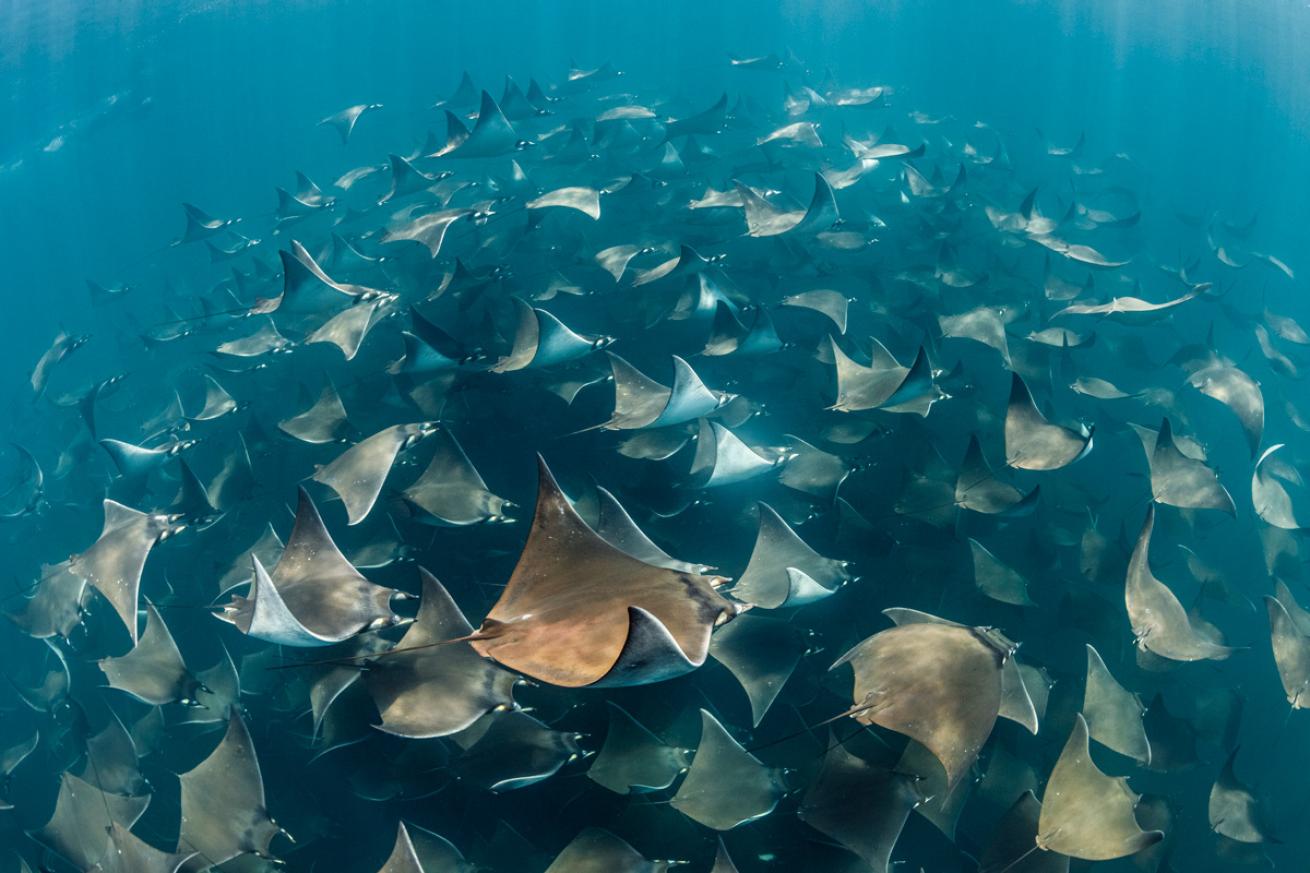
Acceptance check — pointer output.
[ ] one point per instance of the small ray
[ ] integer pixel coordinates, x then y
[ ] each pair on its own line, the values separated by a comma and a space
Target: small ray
513, 751
978, 489
324, 422
1240, 393
1234, 810
813, 471
1160, 624
783, 571
111, 761
861, 806
634, 760
314, 596
435, 690
1011, 845
542, 340
450, 492
577, 611
723, 459
763, 219
218, 402
726, 785
57, 606
617, 528
1128, 309
595, 850
222, 799
358, 473
1177, 480
939, 684
1291, 649
492, 135
1113, 713
218, 695
114, 562
153, 671
1270, 497
1032, 442
761, 653
578, 198
346, 330
344, 122
998, 580
878, 386
833, 305
1085, 813
80, 827
641, 402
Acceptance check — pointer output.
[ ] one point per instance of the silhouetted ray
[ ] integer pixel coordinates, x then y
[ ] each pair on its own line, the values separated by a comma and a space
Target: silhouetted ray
633, 759
1234, 810
726, 785
492, 135
314, 596
114, 562
1085, 813
578, 611
153, 671
1113, 714
80, 827
861, 806
435, 690
1011, 847
1033, 443
1160, 624
223, 812
939, 684
978, 489
761, 653
358, 473
996, 579
111, 761
514, 751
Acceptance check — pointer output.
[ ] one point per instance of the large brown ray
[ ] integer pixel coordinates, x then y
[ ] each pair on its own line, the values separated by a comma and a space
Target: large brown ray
434, 690
113, 564
939, 684
578, 611
223, 811
726, 785
1085, 813
1160, 624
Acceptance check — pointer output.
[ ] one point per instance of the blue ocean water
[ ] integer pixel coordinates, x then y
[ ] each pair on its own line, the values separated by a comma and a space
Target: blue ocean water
118, 113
